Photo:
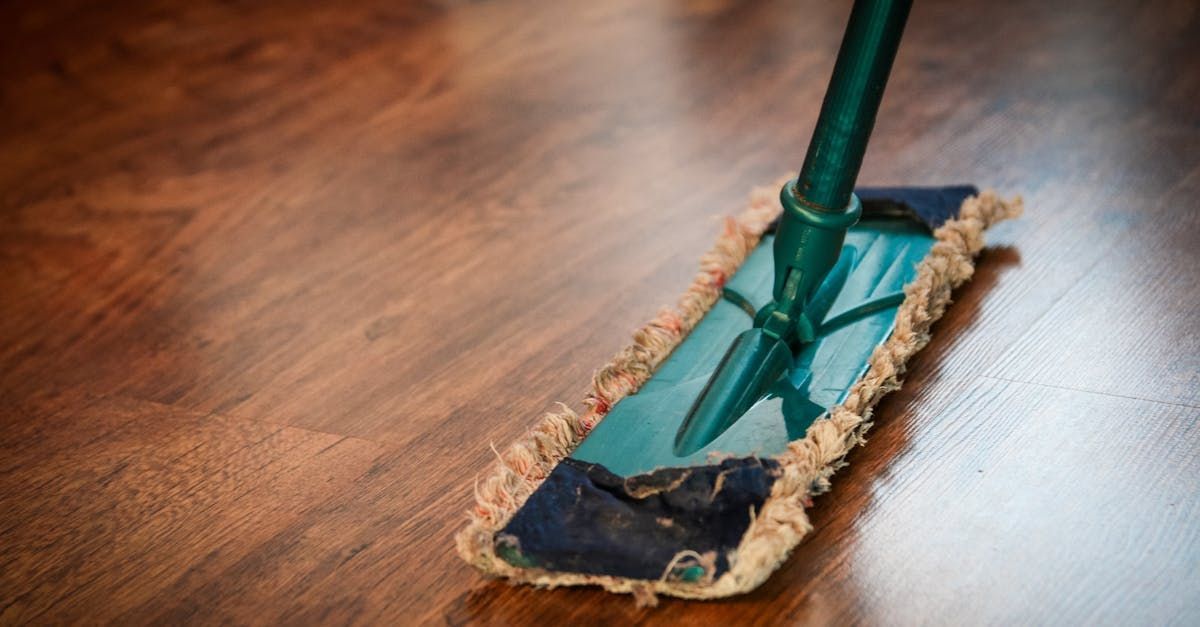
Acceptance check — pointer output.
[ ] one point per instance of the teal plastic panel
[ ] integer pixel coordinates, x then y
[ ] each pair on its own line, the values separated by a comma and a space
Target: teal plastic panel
638, 434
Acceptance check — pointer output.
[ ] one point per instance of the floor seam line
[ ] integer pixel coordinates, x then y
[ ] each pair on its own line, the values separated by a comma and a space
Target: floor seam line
1083, 391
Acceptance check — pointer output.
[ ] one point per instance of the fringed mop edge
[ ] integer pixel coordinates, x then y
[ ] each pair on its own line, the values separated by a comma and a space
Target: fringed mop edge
808, 463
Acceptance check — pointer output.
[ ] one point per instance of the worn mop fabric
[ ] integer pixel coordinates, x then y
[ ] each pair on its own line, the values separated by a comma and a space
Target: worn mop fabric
801, 473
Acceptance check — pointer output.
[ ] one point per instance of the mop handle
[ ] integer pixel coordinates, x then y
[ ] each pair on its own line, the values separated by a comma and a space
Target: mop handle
847, 116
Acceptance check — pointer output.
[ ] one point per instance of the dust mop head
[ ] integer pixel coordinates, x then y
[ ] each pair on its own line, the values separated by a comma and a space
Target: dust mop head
718, 529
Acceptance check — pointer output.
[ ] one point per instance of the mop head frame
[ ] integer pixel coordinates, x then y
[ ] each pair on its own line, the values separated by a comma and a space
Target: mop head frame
804, 469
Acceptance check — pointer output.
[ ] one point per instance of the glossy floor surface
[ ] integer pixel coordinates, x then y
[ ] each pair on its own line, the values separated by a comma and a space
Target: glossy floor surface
273, 275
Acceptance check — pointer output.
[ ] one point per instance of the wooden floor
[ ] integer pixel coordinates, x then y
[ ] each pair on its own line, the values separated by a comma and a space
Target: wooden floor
274, 275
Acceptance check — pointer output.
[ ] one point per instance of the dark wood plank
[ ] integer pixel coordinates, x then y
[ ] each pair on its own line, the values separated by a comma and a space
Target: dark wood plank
1139, 306
274, 275
164, 496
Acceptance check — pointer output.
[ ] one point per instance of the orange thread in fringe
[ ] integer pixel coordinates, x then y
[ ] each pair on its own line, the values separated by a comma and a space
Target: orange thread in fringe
672, 322
600, 403
719, 277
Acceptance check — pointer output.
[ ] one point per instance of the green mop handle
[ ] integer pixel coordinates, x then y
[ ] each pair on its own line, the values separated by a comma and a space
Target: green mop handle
818, 204
839, 140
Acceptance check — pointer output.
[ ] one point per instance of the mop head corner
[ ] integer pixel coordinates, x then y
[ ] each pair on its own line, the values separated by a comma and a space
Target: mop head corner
804, 469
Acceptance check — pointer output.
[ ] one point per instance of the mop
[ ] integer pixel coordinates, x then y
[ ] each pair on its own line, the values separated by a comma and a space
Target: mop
703, 442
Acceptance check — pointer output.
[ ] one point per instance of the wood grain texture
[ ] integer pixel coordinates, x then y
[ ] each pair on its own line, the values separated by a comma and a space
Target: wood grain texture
273, 275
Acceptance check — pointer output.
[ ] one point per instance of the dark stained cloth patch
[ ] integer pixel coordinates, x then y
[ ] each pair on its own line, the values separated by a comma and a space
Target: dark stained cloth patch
932, 206
586, 519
